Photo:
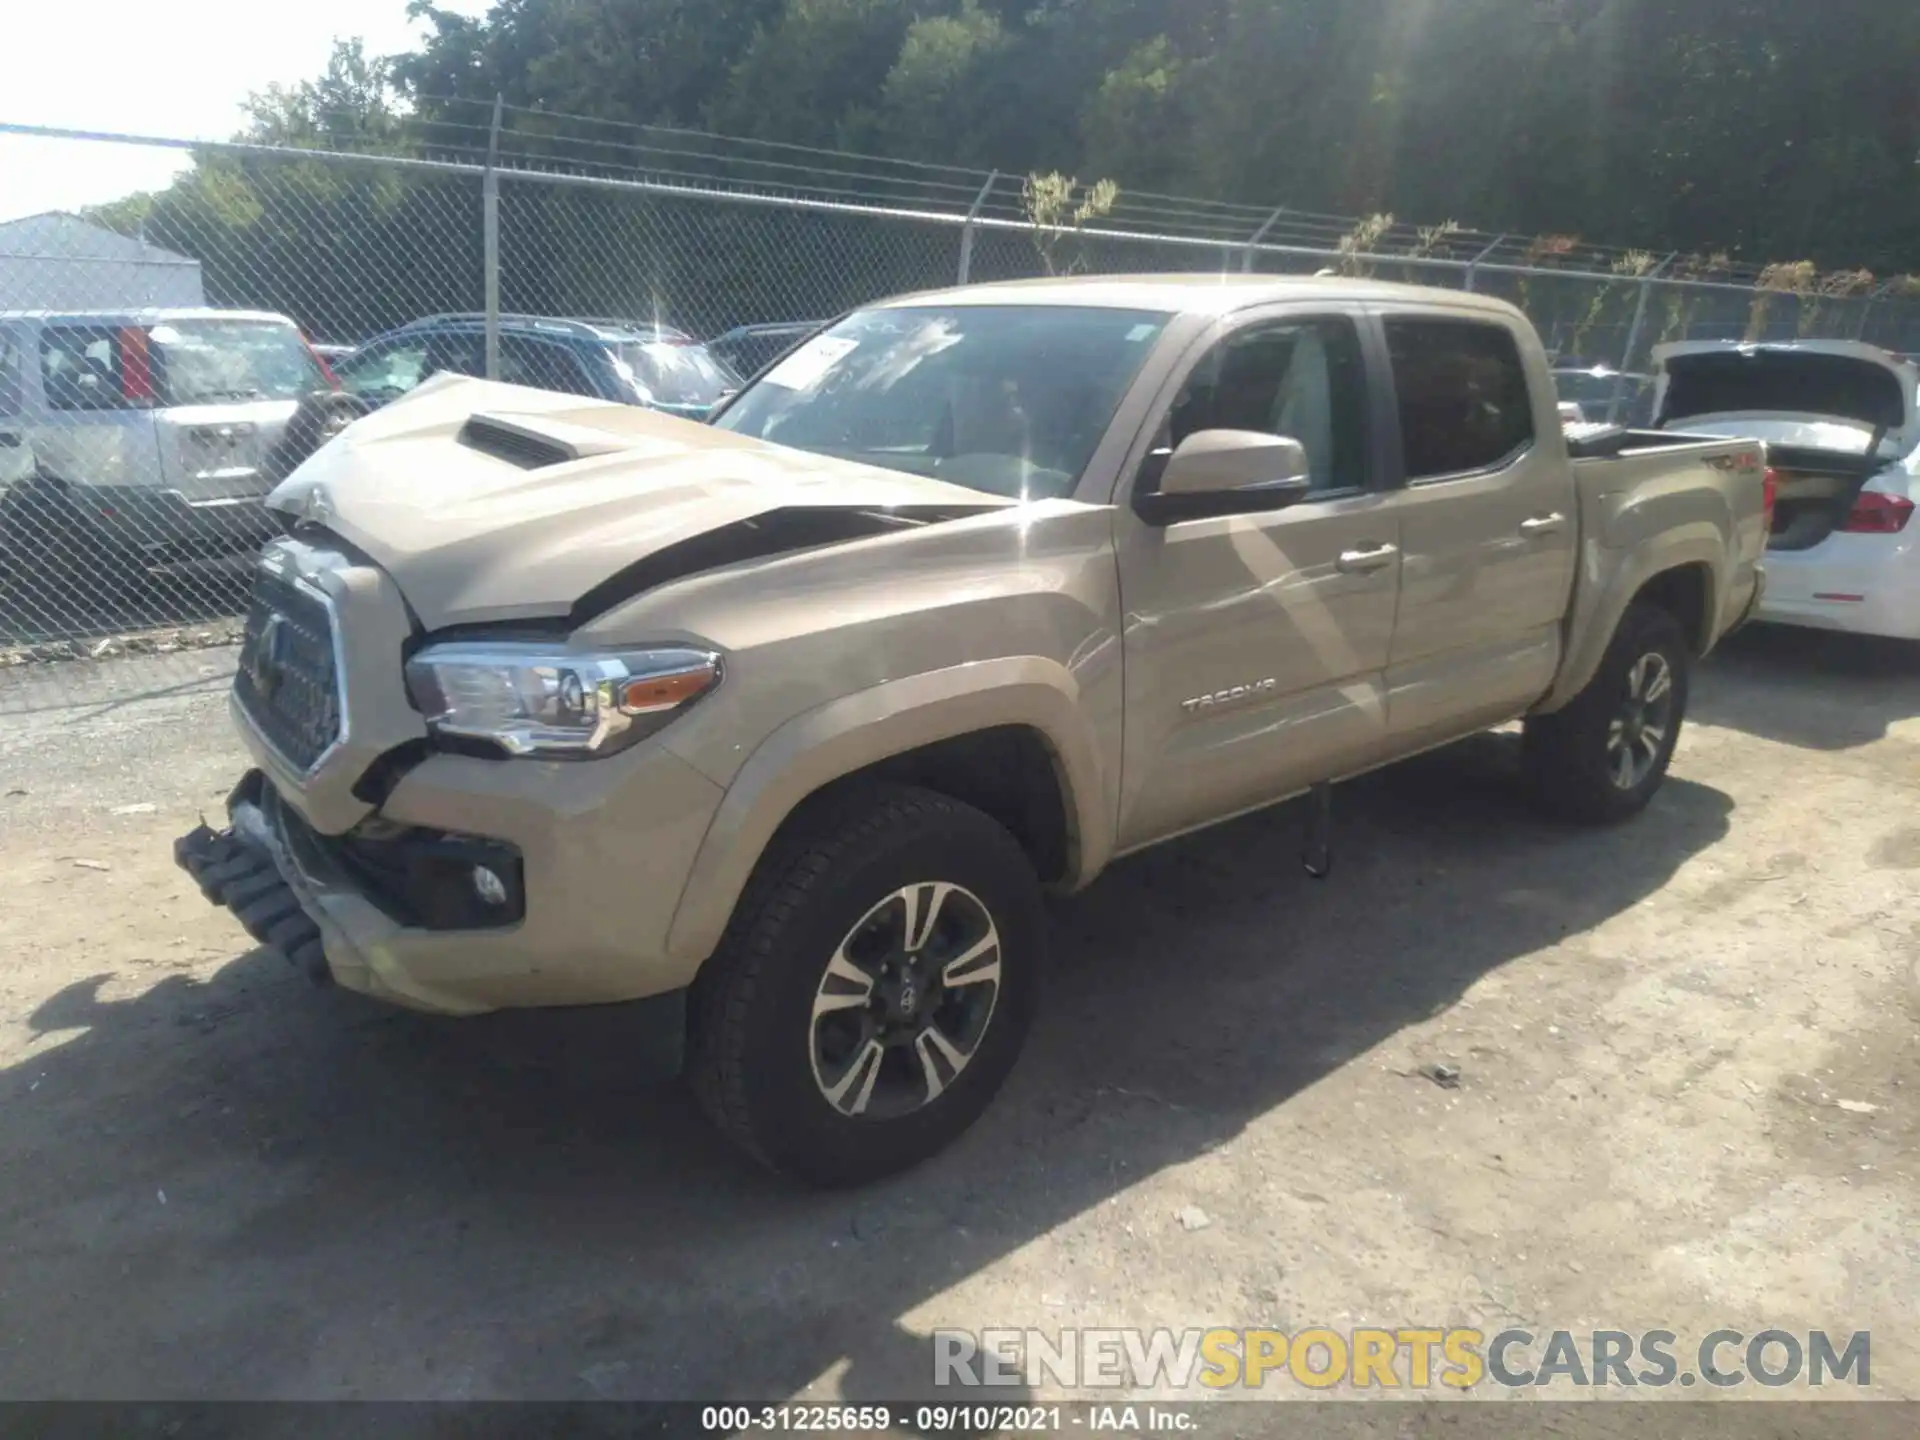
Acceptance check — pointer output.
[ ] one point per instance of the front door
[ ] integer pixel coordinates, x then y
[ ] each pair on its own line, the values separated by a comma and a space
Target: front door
1488, 523
1256, 644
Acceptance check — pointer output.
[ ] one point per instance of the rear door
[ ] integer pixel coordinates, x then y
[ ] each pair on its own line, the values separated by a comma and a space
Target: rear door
1488, 523
1256, 644
16, 451
95, 423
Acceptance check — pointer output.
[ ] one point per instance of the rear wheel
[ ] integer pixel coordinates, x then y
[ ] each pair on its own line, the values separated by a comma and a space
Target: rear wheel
1602, 758
874, 989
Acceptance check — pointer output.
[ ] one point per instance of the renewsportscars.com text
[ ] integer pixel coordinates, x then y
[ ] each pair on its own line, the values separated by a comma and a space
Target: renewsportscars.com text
1406, 1358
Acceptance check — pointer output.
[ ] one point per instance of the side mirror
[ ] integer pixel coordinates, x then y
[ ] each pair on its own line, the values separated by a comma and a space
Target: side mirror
1227, 472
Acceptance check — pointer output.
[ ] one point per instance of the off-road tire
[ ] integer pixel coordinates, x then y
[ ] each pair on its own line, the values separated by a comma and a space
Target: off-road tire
750, 1046
1566, 753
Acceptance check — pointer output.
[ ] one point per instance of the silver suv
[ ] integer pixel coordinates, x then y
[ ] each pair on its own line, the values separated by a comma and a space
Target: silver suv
149, 435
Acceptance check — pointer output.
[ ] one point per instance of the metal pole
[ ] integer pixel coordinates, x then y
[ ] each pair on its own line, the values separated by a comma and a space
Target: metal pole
1633, 336
1866, 310
966, 230
1253, 240
490, 223
1473, 265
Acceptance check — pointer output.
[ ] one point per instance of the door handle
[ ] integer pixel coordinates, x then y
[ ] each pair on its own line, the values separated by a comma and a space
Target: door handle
1365, 562
1543, 525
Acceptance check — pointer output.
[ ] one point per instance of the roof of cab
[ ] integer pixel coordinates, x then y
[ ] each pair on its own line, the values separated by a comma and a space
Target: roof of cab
141, 315
1197, 294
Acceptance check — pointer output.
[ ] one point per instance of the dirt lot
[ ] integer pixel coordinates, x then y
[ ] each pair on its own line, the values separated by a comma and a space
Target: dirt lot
220, 1181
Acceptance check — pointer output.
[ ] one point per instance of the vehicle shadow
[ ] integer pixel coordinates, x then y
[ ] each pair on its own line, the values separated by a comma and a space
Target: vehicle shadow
245, 1187
1812, 688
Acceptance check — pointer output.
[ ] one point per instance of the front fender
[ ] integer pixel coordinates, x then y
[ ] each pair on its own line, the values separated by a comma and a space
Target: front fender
846, 735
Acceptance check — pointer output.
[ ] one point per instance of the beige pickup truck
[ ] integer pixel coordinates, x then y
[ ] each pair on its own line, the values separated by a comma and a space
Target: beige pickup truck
781, 726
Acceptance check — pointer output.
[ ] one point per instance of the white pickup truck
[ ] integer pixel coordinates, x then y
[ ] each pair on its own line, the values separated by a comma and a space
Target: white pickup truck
780, 726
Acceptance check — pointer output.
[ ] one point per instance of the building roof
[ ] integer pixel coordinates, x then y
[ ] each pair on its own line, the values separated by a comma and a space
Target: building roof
58, 235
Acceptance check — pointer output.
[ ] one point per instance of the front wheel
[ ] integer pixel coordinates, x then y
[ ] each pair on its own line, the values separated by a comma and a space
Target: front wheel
874, 989
1602, 758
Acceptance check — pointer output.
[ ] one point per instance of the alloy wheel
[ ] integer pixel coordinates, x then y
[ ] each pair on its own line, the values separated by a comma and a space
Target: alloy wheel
904, 1001
1641, 726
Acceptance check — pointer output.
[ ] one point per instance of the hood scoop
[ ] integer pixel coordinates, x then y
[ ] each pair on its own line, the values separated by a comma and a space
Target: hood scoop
534, 445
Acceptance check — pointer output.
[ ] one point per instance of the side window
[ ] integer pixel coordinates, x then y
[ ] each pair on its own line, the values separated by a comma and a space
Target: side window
1304, 379
462, 353
541, 365
80, 367
386, 372
1463, 397
12, 376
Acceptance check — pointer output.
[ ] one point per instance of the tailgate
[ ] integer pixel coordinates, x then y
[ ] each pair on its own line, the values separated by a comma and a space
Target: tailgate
219, 452
224, 386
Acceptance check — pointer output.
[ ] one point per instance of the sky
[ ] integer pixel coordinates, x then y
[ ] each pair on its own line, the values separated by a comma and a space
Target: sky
176, 68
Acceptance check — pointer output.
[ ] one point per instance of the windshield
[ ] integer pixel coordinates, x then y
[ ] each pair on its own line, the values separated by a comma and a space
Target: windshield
1007, 399
205, 361
675, 373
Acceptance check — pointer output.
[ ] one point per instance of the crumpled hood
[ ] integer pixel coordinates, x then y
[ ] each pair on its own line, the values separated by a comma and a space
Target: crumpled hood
470, 535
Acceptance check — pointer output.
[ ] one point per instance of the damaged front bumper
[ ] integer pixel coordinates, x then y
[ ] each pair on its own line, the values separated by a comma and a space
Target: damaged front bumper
241, 869
280, 880
354, 910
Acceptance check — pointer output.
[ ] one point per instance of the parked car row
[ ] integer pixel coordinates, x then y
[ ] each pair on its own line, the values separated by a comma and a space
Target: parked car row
153, 435
136, 437
633, 362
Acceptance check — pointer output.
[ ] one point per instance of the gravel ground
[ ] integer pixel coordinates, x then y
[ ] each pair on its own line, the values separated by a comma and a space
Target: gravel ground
222, 1182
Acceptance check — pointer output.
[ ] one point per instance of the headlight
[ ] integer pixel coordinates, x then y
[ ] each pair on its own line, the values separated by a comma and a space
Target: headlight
538, 700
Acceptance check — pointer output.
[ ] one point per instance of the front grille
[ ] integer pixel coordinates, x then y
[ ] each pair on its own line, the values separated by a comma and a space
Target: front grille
287, 682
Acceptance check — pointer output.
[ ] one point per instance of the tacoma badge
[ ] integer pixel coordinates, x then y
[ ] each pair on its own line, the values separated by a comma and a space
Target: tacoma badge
1229, 697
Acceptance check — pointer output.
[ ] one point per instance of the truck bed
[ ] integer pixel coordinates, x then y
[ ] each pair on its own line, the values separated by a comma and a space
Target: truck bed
1701, 492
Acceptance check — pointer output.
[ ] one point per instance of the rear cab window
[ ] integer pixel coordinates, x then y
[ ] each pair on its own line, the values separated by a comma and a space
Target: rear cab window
1461, 388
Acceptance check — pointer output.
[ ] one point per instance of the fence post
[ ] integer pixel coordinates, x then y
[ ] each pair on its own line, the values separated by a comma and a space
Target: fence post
1253, 240
1633, 336
966, 230
1473, 265
1866, 308
490, 222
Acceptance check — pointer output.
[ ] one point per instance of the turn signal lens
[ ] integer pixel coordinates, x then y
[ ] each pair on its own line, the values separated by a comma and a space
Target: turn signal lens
651, 694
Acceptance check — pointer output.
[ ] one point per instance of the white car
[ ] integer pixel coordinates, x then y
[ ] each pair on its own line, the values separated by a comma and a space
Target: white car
1841, 421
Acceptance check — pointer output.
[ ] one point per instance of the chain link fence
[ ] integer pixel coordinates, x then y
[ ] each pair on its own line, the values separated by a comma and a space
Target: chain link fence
152, 389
